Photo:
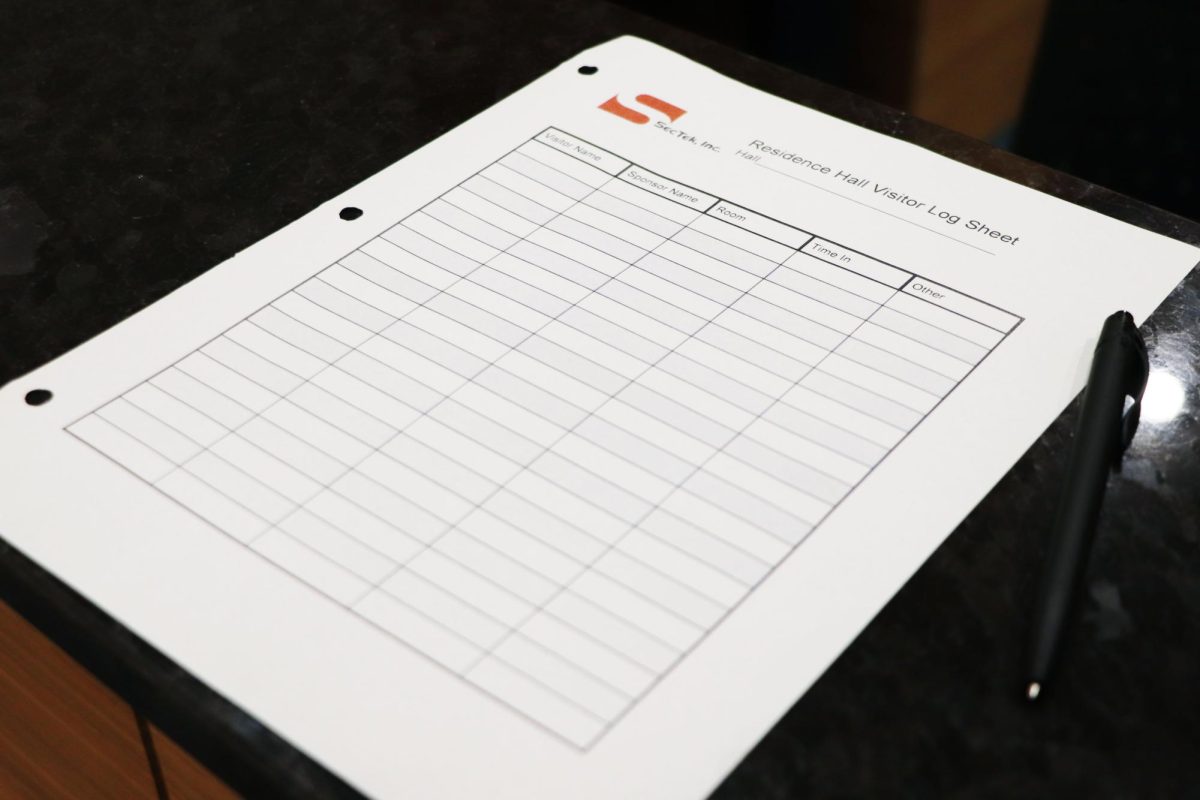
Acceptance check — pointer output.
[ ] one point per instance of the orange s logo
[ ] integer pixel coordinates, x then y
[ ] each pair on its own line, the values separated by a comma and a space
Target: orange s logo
614, 106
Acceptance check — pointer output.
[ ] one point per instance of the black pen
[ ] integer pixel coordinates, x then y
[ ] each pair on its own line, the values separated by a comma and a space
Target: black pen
1119, 372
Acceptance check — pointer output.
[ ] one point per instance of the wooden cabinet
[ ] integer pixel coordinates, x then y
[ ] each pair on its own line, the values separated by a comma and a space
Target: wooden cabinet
972, 62
964, 64
184, 777
63, 734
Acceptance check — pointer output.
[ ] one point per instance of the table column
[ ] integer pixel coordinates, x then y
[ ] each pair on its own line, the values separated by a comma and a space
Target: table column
914, 351
833, 405
481, 571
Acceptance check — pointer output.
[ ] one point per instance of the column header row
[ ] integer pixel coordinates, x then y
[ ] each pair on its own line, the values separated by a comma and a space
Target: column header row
585, 152
788, 235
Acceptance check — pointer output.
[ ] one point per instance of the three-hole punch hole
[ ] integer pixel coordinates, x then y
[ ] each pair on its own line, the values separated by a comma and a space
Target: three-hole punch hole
588, 70
350, 212
38, 397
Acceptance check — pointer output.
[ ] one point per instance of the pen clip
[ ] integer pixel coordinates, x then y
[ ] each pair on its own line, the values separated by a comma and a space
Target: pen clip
1137, 373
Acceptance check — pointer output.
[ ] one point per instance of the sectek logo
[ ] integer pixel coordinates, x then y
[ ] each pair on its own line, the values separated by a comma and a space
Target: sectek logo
614, 106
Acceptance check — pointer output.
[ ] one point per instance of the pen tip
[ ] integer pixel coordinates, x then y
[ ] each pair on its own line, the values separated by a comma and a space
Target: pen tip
1033, 690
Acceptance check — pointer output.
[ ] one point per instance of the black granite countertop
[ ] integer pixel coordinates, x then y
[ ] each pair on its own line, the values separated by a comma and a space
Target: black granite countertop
142, 143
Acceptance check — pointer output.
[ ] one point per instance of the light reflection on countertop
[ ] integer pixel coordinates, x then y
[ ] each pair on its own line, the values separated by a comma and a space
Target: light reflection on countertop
1164, 398
1162, 456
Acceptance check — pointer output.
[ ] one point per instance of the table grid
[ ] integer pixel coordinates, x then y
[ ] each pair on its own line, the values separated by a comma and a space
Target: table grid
549, 429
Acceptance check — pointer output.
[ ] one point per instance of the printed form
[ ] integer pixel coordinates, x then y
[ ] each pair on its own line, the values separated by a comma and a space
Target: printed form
572, 462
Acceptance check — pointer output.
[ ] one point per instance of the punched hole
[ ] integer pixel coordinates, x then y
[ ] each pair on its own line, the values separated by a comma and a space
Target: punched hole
350, 212
588, 70
37, 397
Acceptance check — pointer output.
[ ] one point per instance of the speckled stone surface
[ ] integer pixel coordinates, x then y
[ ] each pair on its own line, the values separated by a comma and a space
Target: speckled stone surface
141, 144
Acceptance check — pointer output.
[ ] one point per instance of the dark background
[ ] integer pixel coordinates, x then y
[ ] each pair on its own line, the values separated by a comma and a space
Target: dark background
1106, 90
142, 143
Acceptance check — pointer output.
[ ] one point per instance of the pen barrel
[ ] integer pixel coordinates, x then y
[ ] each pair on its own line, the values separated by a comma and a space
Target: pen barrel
1093, 454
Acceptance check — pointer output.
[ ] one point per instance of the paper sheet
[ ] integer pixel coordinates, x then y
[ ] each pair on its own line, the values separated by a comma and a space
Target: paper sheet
570, 464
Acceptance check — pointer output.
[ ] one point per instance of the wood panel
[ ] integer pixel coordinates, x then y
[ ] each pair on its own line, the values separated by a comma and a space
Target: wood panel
63, 734
973, 62
186, 778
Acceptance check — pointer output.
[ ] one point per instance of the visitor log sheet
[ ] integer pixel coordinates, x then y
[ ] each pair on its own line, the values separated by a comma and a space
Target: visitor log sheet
560, 457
